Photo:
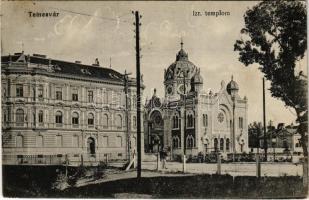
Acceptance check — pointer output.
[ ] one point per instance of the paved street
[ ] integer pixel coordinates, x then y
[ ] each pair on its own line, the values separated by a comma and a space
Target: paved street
234, 169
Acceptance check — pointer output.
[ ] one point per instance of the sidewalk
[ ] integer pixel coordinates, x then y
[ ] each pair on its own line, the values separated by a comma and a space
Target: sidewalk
234, 169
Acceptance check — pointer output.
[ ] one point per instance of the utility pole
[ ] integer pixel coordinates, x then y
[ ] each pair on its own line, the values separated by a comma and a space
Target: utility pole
138, 94
264, 122
258, 163
126, 86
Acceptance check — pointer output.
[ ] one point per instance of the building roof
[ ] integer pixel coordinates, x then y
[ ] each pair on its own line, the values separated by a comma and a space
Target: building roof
66, 68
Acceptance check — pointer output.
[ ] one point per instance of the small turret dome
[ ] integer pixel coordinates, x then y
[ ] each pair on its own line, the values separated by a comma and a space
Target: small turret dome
232, 86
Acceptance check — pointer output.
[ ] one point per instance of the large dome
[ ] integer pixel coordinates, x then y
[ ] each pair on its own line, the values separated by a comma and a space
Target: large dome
181, 64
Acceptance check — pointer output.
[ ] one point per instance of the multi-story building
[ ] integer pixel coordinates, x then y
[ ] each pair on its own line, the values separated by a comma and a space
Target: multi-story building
53, 109
208, 121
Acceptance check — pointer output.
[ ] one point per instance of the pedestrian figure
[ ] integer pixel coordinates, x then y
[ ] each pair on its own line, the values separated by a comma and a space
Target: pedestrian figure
163, 155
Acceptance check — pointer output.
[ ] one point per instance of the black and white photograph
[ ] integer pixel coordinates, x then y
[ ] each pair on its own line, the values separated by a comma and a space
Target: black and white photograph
154, 99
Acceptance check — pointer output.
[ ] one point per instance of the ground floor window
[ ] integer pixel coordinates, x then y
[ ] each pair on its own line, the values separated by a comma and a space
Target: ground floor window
176, 142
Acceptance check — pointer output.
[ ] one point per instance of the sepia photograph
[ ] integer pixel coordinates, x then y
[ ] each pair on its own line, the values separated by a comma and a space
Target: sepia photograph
154, 99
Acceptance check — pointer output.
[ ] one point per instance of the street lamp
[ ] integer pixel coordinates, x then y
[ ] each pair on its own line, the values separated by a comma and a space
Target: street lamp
184, 74
273, 140
233, 99
156, 141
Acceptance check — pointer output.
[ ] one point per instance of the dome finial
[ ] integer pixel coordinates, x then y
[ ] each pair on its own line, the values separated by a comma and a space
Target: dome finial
232, 77
181, 43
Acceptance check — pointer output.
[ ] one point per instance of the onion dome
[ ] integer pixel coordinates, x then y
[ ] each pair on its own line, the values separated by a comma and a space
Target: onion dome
232, 86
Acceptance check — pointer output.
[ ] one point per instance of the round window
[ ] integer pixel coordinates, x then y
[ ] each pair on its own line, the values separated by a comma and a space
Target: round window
220, 117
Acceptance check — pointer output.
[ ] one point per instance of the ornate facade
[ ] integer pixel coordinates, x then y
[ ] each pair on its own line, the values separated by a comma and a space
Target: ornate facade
214, 121
52, 107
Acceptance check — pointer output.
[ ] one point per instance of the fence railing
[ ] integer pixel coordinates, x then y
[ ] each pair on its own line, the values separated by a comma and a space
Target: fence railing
59, 159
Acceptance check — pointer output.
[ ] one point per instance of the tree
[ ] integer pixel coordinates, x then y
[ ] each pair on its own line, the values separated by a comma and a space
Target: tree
275, 38
254, 132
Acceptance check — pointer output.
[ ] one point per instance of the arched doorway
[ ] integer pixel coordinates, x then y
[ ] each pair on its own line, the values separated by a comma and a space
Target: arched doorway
91, 146
155, 131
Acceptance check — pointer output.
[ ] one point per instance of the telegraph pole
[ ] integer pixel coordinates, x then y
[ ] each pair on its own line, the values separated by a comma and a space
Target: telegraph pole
264, 122
138, 94
258, 162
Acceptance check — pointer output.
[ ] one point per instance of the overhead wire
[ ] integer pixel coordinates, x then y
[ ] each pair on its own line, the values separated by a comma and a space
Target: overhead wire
90, 15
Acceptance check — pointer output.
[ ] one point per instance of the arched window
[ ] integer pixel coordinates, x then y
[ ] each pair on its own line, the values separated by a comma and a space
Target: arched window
118, 121
19, 141
41, 116
241, 122
134, 102
59, 117
134, 121
216, 144
20, 116
90, 119
190, 120
221, 144
105, 120
227, 144
75, 118
205, 120
190, 141
34, 118
175, 121
176, 142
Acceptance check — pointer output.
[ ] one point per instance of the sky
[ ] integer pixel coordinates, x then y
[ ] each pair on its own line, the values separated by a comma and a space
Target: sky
105, 30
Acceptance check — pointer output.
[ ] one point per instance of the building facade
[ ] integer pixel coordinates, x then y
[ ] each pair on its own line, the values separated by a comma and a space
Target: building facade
63, 109
208, 121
